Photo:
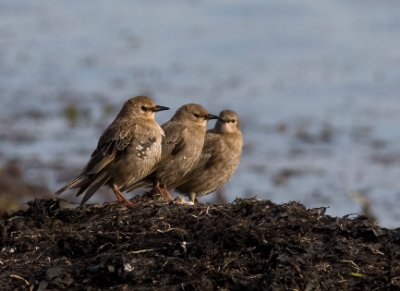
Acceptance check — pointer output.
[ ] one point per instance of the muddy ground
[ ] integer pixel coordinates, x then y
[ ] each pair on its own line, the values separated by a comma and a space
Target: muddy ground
246, 245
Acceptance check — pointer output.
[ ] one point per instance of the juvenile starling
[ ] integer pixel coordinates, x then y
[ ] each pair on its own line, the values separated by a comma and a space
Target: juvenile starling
181, 148
219, 158
126, 152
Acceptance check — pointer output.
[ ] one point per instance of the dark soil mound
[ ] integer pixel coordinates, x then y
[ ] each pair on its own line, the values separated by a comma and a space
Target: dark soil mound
246, 245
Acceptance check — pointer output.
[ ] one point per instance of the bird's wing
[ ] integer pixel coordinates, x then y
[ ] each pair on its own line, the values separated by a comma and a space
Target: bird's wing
115, 139
173, 141
211, 152
112, 143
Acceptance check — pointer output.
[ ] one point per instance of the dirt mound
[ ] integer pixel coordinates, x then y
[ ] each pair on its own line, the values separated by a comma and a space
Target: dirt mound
246, 245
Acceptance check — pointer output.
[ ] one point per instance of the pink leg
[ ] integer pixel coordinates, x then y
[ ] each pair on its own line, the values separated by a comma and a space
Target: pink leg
120, 197
162, 191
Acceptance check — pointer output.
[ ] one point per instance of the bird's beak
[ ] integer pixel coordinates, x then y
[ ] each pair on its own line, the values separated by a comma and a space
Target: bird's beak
160, 108
212, 116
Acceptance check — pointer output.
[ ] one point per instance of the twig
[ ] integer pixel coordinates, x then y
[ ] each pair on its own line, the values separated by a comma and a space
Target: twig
20, 278
350, 262
141, 251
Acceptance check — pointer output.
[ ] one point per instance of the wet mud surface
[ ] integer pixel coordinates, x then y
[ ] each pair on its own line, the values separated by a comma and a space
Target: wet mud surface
247, 245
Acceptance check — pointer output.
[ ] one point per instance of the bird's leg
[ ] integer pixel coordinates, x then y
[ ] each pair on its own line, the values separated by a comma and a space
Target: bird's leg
192, 197
157, 190
162, 191
167, 195
120, 197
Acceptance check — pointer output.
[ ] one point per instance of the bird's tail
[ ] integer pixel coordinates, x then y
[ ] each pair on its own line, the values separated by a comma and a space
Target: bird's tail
137, 185
94, 186
74, 183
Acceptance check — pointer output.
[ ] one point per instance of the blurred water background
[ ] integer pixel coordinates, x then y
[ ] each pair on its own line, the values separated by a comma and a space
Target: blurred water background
316, 84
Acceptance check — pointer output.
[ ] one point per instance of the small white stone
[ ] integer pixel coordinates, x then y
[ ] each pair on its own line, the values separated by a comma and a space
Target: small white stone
128, 267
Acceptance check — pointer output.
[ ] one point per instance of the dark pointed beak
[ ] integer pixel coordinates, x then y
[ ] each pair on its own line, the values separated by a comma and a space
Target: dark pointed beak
212, 116
160, 108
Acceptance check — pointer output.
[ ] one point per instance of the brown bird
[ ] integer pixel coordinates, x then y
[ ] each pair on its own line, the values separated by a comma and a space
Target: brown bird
126, 152
219, 158
181, 148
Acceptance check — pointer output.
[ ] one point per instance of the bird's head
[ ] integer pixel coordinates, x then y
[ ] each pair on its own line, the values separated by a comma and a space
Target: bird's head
141, 106
193, 113
228, 121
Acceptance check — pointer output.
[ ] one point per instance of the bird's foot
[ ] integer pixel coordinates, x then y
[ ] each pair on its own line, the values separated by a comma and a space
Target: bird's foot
163, 192
121, 198
181, 201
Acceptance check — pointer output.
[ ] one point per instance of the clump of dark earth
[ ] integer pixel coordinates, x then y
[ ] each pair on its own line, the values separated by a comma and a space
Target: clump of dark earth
246, 245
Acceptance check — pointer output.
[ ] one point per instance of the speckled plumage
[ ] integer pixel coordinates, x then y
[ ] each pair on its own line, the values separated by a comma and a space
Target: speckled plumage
181, 148
126, 152
219, 158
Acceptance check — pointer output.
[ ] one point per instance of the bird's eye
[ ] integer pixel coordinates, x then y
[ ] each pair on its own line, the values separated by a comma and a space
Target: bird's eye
196, 115
232, 120
144, 108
